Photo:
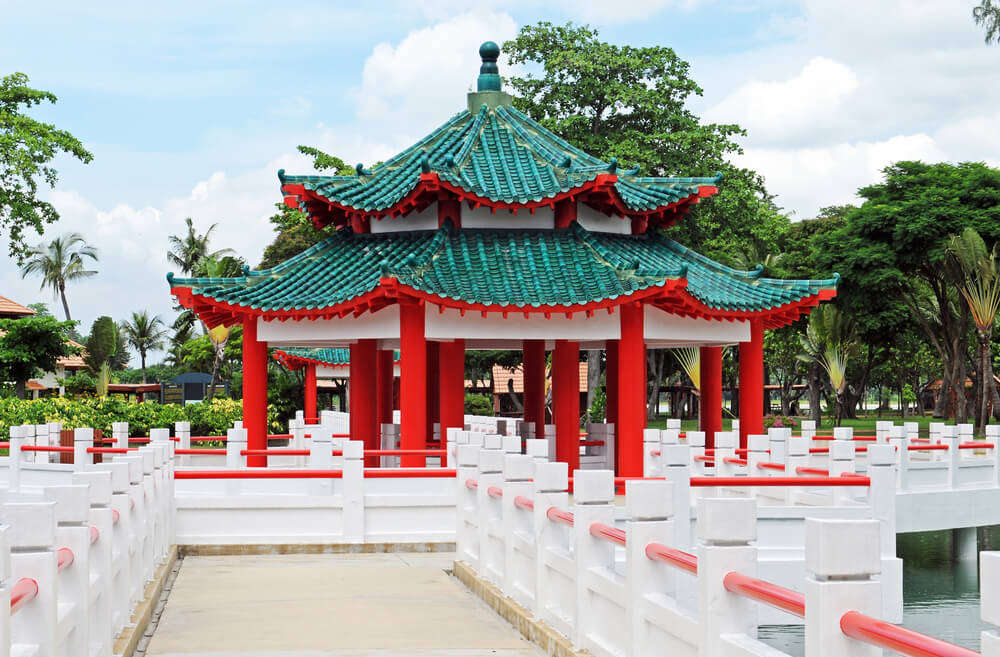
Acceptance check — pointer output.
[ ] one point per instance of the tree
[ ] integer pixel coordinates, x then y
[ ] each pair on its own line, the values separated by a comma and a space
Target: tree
59, 262
213, 267
981, 290
987, 15
144, 334
631, 104
27, 148
829, 341
31, 345
102, 343
187, 250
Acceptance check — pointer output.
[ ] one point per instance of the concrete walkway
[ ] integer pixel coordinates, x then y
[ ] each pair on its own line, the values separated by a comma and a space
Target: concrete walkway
383, 605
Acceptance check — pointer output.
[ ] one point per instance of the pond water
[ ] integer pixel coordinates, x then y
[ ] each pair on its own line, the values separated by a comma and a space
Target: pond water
940, 596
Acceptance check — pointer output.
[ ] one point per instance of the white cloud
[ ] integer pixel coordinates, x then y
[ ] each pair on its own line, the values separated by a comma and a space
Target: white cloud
788, 110
418, 83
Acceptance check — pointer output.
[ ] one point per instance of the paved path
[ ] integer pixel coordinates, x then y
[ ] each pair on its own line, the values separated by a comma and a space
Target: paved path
382, 605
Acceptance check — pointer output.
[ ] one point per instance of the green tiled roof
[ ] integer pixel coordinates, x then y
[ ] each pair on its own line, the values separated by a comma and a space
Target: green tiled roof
324, 355
500, 154
520, 268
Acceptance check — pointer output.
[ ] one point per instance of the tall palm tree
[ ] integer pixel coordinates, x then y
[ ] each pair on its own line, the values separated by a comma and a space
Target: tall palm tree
60, 262
830, 341
987, 14
144, 334
981, 290
189, 250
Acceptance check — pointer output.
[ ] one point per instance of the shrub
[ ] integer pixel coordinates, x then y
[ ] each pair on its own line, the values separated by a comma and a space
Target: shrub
476, 404
780, 421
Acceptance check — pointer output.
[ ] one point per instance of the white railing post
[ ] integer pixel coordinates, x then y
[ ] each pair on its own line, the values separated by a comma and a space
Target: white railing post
551, 481
952, 438
726, 527
882, 430
236, 442
777, 441
15, 459
842, 454
807, 430
83, 439
538, 450
993, 437
726, 443
841, 558
989, 602
153, 485
121, 530
119, 434
147, 458
650, 444
901, 455
182, 431
593, 501
649, 506
466, 499
677, 471
160, 441
5, 584
33, 556
490, 474
798, 457
517, 474
100, 518
135, 524
42, 439
354, 491
72, 532
28, 437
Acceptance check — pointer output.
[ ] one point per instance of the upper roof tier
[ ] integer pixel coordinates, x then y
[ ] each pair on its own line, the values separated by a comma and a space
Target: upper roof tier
493, 155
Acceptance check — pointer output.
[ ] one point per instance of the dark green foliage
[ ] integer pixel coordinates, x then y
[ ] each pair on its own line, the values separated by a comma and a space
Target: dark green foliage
476, 404
102, 343
31, 345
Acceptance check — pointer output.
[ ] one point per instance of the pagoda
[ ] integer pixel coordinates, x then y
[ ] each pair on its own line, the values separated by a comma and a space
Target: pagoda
494, 233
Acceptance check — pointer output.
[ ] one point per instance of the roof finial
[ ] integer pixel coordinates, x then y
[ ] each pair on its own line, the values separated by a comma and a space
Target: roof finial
489, 74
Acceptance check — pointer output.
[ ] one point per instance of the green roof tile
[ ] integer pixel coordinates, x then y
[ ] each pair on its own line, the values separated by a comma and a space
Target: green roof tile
521, 268
324, 355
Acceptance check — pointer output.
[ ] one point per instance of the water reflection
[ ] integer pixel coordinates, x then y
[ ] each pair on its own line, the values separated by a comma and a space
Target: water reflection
940, 596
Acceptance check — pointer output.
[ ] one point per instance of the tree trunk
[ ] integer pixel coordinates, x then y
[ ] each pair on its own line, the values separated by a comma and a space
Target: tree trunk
986, 376
958, 384
62, 295
655, 359
20, 389
941, 403
220, 349
815, 413
593, 379
142, 361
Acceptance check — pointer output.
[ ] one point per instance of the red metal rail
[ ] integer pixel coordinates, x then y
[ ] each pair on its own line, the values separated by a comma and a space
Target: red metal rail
495, 491
471, 484
976, 444
108, 450
734, 461
591, 443
771, 466
558, 515
24, 591
64, 558
817, 472
676, 558
46, 448
523, 502
708, 482
926, 448
608, 533
95, 534
899, 639
115, 516
259, 473
770, 594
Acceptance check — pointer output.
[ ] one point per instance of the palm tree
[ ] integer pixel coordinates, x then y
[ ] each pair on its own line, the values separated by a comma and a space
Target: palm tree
59, 262
211, 266
144, 334
829, 342
987, 14
188, 251
981, 290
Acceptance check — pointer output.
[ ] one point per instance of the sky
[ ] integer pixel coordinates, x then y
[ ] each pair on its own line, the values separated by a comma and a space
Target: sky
191, 108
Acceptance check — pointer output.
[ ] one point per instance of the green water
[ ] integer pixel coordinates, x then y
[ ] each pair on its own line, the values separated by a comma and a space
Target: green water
940, 595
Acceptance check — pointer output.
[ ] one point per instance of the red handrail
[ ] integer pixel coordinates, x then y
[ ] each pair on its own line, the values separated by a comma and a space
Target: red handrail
771, 466
95, 534
558, 515
608, 533
64, 558
655, 452
893, 637
707, 482
591, 443
115, 516
495, 491
471, 484
976, 444
770, 594
108, 450
523, 502
46, 448
260, 473
704, 459
676, 558
818, 472
24, 591
734, 461
926, 448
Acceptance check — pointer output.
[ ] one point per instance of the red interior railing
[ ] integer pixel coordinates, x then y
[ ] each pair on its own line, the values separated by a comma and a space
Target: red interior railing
674, 557
608, 533
523, 502
24, 591
770, 594
893, 637
64, 559
558, 515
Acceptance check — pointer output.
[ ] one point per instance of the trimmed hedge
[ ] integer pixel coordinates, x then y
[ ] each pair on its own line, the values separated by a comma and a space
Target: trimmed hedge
210, 418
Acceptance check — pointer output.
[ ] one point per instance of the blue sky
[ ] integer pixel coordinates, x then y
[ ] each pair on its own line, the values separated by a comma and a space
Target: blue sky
190, 108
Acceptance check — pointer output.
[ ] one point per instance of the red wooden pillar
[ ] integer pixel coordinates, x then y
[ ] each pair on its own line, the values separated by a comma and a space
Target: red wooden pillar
752, 383
254, 391
364, 392
566, 401
385, 386
452, 377
711, 393
433, 387
534, 384
631, 390
412, 380
310, 391
611, 382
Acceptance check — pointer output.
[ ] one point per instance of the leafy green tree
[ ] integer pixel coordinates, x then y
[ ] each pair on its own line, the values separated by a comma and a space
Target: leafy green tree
187, 250
59, 262
987, 15
829, 342
781, 350
27, 148
102, 343
31, 345
326, 162
631, 104
981, 290
144, 334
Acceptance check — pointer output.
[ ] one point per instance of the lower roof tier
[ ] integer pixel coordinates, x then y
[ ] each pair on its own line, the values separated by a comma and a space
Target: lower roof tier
297, 357
552, 271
